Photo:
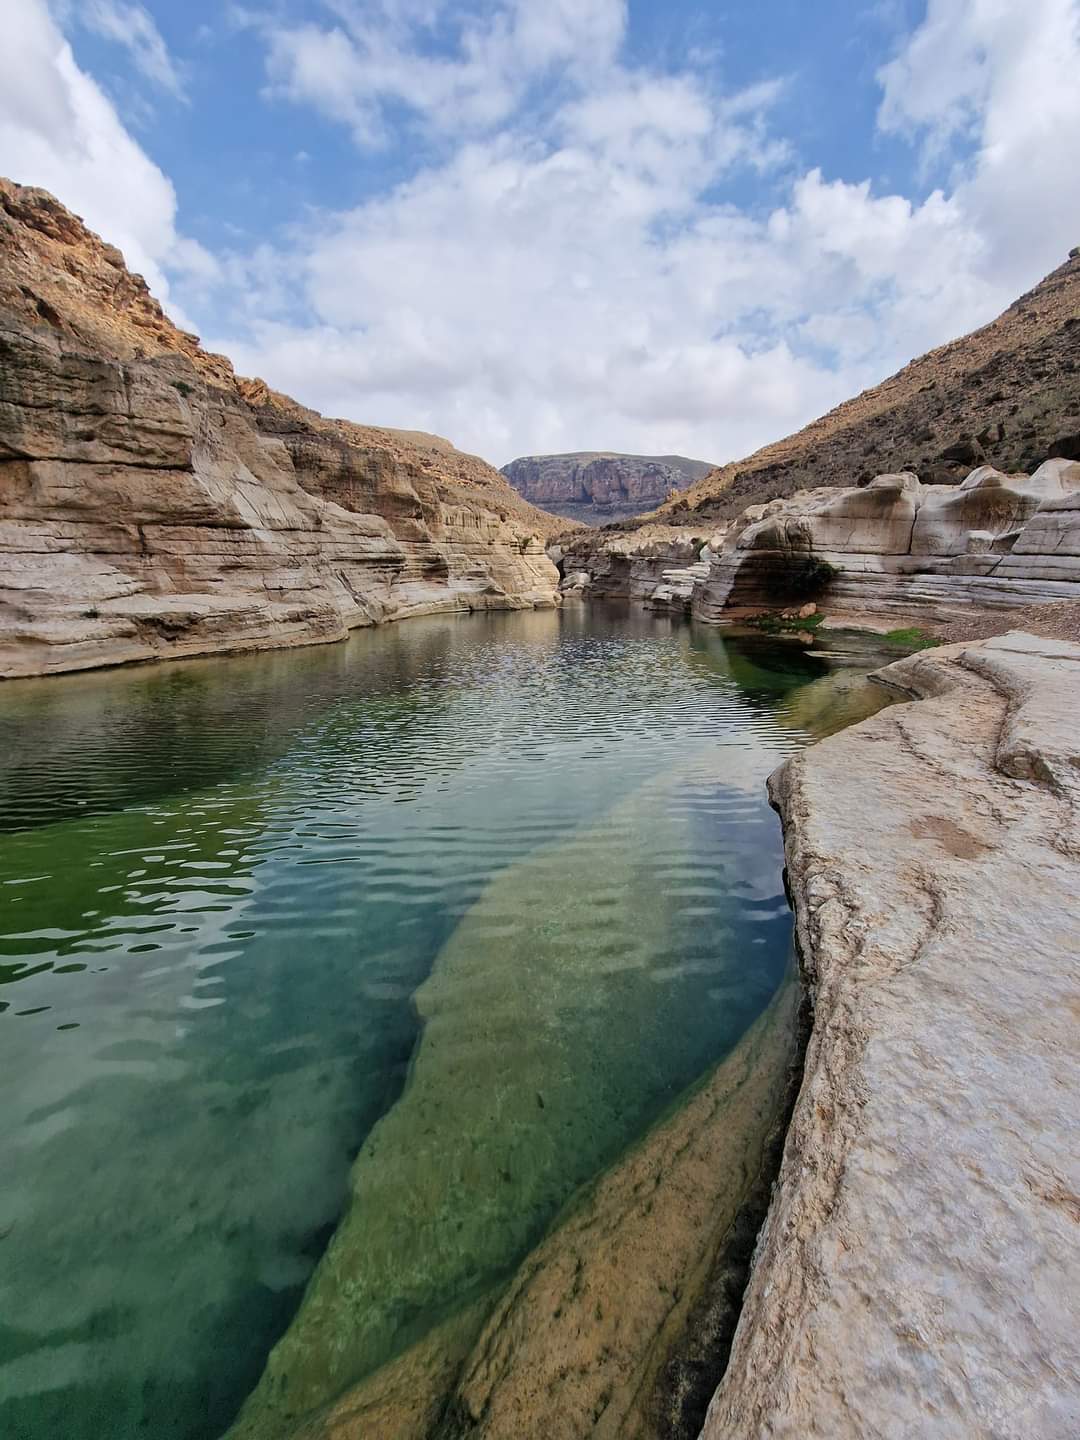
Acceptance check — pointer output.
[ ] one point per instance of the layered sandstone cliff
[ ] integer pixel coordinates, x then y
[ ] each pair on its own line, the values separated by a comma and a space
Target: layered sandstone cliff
599, 486
154, 504
919, 1270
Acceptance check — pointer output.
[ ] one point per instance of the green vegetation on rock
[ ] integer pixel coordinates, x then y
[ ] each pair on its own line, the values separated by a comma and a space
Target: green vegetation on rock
911, 637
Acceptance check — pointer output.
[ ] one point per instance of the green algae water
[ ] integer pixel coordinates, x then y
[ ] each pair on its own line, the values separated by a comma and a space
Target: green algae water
458, 910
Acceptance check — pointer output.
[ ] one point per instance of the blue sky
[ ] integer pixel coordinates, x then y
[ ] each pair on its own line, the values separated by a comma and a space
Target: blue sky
561, 224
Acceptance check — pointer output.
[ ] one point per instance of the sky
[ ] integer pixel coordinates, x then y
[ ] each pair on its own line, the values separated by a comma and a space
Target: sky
548, 225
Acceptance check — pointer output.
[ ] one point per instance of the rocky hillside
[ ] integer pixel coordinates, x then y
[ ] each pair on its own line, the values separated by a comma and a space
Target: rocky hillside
596, 486
1008, 394
155, 504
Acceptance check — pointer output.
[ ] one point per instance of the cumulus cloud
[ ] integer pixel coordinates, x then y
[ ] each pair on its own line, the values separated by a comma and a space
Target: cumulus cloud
992, 85
573, 263
375, 57
60, 131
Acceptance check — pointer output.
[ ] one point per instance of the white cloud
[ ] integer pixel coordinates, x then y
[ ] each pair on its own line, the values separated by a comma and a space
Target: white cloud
568, 269
353, 70
134, 28
1001, 77
59, 131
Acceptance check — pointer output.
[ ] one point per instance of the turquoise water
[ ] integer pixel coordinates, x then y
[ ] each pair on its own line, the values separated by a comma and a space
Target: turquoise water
234, 893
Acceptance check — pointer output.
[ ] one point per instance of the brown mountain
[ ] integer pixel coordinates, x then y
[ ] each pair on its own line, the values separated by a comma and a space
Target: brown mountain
1008, 394
153, 503
598, 485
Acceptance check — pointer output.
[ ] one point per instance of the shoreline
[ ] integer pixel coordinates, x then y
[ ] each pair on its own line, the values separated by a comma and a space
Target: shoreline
918, 1269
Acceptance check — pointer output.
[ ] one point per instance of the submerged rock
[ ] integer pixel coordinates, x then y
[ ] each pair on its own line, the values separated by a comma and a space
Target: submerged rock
545, 1051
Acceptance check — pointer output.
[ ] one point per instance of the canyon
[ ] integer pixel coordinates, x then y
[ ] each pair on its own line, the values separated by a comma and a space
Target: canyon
978, 505
917, 1265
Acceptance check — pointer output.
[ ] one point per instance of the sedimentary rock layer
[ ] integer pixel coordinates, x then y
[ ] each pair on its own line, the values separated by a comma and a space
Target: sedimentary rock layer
593, 486
154, 504
919, 1271
995, 541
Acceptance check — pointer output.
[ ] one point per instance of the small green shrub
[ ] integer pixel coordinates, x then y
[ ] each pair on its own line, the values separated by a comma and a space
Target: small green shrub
775, 624
911, 638
184, 388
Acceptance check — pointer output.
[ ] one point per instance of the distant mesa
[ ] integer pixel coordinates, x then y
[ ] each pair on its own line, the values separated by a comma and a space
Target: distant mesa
601, 485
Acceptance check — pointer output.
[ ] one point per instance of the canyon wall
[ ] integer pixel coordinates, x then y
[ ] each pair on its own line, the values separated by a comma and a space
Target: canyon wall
598, 486
1006, 395
919, 1270
154, 504
900, 547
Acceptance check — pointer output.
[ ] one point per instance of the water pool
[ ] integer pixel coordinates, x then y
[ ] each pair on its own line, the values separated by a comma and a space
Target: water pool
501, 887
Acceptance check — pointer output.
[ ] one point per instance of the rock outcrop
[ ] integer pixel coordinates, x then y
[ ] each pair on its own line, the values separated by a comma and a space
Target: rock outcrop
897, 546
1007, 395
597, 485
154, 504
660, 565
919, 1270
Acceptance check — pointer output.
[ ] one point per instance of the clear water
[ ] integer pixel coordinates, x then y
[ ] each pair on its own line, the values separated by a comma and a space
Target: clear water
234, 895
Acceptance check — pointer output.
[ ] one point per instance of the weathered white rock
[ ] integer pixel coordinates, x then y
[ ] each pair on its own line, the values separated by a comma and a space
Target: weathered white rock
919, 1271
997, 541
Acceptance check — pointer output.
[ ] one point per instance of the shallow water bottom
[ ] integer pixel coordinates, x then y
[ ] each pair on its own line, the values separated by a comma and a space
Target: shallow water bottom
415, 937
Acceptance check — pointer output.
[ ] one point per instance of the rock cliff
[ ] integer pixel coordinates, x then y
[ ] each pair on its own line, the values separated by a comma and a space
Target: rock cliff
1008, 394
897, 546
595, 486
154, 504
919, 1270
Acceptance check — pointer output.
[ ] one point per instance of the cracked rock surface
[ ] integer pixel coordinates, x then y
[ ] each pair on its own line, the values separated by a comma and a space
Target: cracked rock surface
919, 1270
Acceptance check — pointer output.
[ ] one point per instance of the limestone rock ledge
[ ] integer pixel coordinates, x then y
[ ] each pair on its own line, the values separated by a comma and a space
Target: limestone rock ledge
898, 546
919, 1270
154, 504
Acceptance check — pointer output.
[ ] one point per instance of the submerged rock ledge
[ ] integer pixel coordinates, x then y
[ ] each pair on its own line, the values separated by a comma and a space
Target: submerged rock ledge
919, 1269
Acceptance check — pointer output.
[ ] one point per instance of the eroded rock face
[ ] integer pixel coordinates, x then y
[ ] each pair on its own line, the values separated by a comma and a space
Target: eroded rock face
919, 1271
995, 541
153, 504
594, 487
661, 566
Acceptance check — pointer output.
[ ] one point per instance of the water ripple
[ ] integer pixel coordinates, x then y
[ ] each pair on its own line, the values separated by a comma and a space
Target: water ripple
221, 885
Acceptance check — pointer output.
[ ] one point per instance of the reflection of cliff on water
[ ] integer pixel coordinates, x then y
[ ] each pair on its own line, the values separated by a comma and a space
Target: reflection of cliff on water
812, 692
112, 738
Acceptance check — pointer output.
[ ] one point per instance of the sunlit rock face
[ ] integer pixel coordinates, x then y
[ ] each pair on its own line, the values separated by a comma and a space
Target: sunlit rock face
919, 1270
153, 504
995, 541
